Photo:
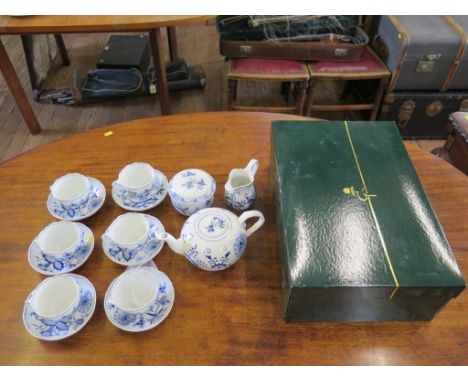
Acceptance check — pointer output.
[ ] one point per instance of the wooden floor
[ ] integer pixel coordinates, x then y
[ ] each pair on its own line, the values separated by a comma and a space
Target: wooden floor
198, 45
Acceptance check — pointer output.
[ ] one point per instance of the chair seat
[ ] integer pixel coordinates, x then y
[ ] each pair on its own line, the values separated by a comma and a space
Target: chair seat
369, 65
268, 69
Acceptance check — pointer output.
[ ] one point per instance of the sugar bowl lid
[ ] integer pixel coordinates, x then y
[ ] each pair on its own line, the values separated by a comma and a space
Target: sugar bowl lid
192, 184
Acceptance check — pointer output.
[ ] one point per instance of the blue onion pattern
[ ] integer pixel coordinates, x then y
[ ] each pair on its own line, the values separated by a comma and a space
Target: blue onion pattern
218, 262
138, 200
140, 253
192, 180
239, 245
149, 317
81, 209
65, 325
216, 222
66, 262
240, 201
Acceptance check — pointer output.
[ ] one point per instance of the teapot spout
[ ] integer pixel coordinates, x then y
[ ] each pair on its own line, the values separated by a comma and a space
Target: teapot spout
177, 245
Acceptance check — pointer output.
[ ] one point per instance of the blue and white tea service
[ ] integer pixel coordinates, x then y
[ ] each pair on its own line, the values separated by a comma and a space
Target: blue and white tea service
75, 197
191, 190
139, 187
139, 299
59, 307
239, 190
61, 247
214, 239
131, 239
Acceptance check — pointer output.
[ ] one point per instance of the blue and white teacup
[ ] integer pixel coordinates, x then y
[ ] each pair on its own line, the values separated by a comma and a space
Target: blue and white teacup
55, 297
71, 190
136, 181
58, 239
126, 236
135, 290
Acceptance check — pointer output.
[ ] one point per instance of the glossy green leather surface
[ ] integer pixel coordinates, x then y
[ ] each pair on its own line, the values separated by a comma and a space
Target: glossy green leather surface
353, 216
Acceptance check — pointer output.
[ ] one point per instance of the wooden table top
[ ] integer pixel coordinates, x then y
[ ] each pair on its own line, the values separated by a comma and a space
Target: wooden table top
81, 24
228, 317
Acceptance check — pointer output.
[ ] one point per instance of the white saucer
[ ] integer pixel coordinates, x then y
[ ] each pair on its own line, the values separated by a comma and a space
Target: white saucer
82, 210
66, 326
154, 315
144, 253
67, 262
153, 198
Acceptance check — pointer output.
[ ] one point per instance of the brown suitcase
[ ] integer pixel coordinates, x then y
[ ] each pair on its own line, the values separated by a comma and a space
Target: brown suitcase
457, 142
328, 50
310, 38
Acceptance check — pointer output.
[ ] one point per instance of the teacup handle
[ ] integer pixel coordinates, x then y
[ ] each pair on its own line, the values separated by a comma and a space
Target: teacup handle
252, 167
28, 301
252, 214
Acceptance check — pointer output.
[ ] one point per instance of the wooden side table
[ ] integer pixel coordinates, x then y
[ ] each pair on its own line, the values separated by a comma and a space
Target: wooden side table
369, 67
152, 24
260, 69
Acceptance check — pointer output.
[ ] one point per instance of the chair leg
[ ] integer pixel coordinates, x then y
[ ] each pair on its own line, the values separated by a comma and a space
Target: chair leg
232, 90
301, 96
310, 96
286, 90
62, 49
378, 98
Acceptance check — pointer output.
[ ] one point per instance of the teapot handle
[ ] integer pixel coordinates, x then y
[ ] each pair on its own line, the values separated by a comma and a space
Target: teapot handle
252, 214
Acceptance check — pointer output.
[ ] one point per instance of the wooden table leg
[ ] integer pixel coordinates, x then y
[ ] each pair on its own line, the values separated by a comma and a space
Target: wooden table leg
17, 90
62, 49
160, 71
172, 39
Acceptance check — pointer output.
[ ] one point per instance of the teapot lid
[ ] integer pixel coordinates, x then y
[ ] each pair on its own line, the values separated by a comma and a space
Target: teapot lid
192, 184
211, 224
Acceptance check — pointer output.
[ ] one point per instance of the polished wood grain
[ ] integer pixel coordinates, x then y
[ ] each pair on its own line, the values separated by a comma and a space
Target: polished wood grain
81, 24
228, 317
8, 71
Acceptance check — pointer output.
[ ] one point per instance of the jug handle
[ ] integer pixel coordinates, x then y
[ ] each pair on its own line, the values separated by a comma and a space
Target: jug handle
252, 167
252, 214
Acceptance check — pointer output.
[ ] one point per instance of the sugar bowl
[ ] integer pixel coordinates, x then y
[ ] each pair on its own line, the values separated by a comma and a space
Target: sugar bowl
191, 190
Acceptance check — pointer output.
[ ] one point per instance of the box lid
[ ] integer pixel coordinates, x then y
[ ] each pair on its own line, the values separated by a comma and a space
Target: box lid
352, 212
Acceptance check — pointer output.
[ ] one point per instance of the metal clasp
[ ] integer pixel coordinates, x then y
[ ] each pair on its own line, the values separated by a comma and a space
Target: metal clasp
428, 65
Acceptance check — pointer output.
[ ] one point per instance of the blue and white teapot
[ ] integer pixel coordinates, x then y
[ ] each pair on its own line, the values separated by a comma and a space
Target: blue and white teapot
214, 239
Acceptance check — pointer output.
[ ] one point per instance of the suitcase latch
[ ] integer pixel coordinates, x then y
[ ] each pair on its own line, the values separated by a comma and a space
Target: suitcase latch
341, 52
406, 110
464, 105
434, 108
427, 66
246, 49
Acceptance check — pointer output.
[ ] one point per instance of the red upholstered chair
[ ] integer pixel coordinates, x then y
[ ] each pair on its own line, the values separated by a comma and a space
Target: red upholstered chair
262, 69
369, 67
